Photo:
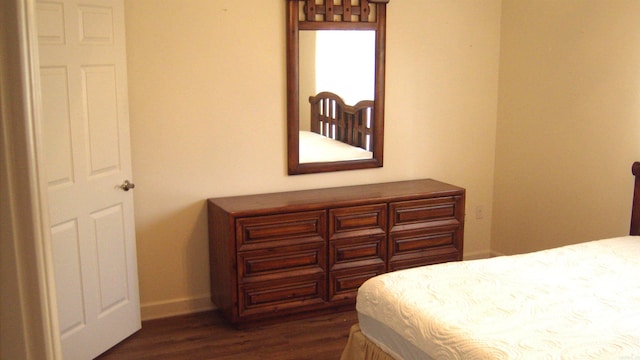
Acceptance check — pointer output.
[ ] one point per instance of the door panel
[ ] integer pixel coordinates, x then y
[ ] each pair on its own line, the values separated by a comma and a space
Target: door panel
100, 106
66, 250
53, 82
86, 140
112, 267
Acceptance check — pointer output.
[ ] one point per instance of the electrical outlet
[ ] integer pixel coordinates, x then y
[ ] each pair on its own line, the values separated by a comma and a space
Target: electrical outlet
479, 212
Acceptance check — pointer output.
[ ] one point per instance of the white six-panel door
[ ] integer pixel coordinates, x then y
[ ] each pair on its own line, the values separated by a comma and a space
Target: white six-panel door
87, 152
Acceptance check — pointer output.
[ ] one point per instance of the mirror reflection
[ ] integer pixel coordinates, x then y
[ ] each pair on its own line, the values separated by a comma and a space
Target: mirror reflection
335, 84
337, 88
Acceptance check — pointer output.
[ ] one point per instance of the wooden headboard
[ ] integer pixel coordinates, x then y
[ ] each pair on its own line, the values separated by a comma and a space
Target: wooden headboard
635, 210
332, 118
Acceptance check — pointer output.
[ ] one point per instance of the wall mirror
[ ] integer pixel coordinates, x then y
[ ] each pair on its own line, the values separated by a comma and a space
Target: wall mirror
335, 84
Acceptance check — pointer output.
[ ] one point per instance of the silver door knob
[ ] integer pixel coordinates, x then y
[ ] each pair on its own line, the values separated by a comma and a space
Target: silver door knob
127, 185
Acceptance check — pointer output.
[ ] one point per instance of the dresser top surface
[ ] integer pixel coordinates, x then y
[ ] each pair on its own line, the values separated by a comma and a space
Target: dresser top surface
337, 196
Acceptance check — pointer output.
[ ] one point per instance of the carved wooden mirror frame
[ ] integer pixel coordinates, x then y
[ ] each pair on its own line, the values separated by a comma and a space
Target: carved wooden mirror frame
334, 15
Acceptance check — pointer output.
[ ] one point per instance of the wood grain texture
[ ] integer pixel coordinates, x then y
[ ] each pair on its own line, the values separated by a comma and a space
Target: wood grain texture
635, 211
207, 336
301, 252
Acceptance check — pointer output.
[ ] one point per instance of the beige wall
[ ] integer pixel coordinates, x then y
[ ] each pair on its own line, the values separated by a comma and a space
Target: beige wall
568, 122
207, 102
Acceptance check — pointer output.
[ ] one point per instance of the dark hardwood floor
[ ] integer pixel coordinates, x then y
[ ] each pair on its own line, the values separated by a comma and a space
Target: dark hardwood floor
207, 336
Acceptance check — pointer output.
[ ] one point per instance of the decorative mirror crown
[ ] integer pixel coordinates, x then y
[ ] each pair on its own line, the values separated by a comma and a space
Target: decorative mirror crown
334, 10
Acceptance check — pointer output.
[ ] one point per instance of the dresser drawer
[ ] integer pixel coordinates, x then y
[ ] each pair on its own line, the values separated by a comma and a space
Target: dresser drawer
421, 240
424, 246
407, 262
344, 284
437, 211
281, 262
270, 297
279, 230
357, 251
357, 221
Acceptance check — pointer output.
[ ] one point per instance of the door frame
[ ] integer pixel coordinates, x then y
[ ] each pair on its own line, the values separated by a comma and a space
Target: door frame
29, 308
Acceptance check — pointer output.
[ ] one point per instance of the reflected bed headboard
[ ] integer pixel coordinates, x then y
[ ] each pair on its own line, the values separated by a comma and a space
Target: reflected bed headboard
332, 118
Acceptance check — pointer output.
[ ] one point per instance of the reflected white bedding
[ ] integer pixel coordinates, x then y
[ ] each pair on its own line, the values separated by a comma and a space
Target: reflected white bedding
317, 148
575, 302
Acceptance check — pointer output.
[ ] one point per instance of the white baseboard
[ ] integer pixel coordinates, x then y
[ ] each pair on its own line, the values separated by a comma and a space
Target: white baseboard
477, 255
168, 308
481, 255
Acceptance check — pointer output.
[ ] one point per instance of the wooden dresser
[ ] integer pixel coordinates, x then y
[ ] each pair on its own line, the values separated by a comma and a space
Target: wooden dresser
301, 252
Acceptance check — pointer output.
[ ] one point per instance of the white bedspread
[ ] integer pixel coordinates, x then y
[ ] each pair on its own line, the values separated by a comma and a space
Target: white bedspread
575, 302
317, 148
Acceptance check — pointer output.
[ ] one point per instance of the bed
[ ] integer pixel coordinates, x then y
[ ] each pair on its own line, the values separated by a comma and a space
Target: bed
574, 302
337, 131
318, 148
